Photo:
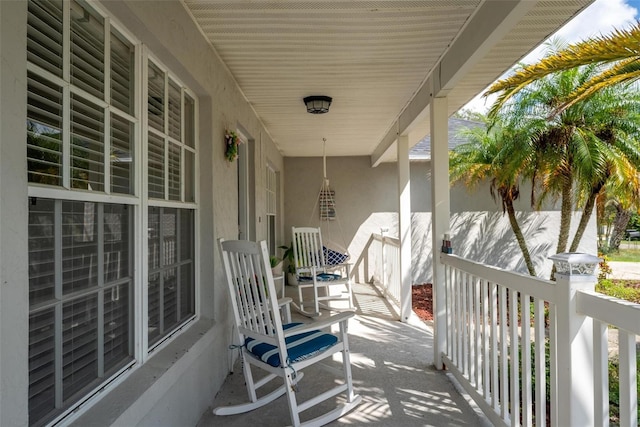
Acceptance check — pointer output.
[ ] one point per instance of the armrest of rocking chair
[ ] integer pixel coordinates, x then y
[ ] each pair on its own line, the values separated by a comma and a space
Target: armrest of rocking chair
284, 301
324, 323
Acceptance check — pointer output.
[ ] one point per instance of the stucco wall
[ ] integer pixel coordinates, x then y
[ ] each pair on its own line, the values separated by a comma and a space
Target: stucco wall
366, 202
14, 299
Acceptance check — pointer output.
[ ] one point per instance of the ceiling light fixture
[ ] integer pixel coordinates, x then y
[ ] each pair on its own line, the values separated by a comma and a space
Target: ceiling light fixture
317, 104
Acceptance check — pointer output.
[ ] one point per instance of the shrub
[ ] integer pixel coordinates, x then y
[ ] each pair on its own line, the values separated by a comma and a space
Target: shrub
618, 289
614, 389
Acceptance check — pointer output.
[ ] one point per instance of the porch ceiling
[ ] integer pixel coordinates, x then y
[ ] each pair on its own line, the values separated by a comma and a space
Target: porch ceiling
372, 57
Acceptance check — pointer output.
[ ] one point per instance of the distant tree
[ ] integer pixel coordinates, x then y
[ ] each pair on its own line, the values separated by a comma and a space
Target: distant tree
467, 114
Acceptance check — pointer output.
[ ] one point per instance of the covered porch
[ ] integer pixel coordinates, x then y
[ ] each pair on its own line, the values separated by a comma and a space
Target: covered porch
393, 371
395, 70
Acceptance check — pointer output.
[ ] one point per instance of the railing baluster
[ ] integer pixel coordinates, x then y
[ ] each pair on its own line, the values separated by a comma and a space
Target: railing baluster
464, 324
476, 328
504, 361
540, 363
525, 333
553, 364
485, 340
450, 313
515, 376
459, 318
601, 373
495, 394
628, 379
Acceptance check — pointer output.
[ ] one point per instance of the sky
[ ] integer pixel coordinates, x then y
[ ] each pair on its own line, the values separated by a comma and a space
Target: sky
600, 18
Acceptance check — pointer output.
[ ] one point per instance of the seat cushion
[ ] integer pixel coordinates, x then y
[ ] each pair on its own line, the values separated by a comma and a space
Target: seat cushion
299, 347
322, 277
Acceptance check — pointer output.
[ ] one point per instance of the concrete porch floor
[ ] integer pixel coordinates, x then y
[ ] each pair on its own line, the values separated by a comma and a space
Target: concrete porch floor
392, 371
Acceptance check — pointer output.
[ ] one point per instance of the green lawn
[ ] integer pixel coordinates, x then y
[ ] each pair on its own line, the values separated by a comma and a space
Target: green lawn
627, 254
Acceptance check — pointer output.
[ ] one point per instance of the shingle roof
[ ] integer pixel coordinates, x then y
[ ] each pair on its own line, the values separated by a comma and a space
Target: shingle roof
422, 150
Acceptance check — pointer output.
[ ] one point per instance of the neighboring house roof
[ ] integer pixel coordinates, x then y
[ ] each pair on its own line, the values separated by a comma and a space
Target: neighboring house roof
422, 150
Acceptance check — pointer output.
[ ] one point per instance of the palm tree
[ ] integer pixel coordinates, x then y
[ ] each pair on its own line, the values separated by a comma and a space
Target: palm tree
578, 149
614, 153
617, 55
489, 155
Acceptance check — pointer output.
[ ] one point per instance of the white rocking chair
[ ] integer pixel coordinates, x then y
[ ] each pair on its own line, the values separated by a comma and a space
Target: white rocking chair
313, 270
281, 350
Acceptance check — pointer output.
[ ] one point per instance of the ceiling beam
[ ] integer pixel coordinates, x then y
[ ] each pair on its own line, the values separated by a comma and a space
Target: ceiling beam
489, 24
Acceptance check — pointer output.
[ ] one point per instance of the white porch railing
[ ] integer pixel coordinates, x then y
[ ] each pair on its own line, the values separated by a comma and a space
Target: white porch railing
384, 258
499, 325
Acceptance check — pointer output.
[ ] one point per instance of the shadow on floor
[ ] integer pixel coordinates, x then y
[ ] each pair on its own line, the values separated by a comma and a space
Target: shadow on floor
392, 371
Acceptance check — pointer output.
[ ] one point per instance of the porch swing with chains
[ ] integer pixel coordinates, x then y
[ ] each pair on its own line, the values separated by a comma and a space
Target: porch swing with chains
321, 266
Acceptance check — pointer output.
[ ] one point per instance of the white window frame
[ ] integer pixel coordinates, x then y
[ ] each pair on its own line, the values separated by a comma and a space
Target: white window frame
146, 350
138, 200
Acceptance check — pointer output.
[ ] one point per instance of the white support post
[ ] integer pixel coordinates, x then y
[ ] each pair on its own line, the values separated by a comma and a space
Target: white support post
439, 219
404, 226
575, 384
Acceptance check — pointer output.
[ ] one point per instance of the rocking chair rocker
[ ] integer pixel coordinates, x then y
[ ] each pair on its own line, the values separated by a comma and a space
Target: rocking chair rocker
281, 350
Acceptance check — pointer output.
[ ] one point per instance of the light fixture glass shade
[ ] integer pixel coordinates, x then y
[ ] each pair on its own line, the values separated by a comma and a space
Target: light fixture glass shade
317, 104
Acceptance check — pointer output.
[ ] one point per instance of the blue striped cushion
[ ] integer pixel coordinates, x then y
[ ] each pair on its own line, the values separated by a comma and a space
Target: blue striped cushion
322, 277
299, 347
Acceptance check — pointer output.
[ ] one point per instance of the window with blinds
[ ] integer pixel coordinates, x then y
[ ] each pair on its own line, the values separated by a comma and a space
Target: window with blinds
80, 132
80, 294
83, 126
171, 154
171, 293
171, 138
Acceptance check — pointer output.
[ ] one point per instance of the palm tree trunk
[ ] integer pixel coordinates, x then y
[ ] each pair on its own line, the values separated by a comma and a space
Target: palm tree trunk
584, 220
619, 227
565, 217
565, 220
519, 236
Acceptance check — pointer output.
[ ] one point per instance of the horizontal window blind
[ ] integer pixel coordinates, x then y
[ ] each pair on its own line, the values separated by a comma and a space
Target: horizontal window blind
87, 50
155, 99
174, 171
155, 168
175, 111
44, 131
81, 281
87, 145
122, 155
42, 383
122, 78
42, 240
79, 246
44, 35
170, 287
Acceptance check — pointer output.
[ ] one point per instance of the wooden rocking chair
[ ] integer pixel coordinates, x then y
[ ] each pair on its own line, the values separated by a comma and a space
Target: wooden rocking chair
281, 350
313, 270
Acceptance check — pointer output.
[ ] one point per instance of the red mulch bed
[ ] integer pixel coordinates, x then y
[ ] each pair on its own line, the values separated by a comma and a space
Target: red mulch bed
422, 301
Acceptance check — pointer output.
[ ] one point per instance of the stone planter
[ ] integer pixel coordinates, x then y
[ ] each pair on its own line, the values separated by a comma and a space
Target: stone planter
291, 279
277, 270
